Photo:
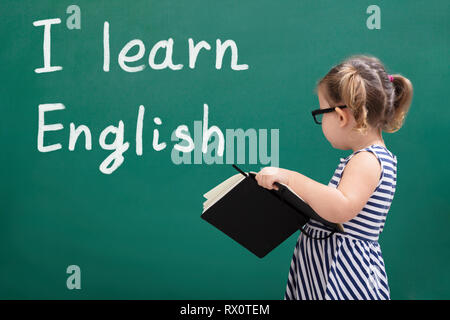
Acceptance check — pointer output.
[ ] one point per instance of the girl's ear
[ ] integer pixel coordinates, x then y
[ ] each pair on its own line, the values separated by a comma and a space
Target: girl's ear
343, 116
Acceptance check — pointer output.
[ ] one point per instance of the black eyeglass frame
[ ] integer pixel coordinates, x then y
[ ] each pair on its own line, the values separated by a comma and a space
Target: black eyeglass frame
322, 111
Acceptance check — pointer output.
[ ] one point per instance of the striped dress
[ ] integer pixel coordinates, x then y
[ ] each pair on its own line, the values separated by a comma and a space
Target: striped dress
346, 266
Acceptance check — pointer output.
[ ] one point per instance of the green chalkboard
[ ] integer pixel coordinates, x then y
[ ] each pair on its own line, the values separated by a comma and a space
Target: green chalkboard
133, 229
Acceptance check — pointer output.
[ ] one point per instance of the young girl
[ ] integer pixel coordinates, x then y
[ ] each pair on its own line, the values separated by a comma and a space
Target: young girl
358, 100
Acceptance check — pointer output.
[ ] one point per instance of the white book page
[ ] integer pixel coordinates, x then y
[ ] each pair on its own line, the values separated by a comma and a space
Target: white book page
220, 190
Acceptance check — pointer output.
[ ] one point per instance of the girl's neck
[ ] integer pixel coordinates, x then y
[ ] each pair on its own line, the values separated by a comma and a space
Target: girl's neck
372, 137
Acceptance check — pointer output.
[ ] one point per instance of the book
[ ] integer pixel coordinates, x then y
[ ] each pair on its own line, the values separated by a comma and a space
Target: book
257, 218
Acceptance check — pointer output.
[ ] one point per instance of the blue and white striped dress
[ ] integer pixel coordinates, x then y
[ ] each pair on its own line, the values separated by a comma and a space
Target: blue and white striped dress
346, 266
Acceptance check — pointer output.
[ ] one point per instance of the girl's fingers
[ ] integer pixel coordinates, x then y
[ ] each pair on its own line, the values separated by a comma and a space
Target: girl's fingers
263, 181
266, 180
258, 179
269, 182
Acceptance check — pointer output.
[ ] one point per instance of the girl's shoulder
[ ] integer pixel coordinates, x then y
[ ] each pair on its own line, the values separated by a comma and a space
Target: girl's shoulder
375, 165
385, 160
380, 152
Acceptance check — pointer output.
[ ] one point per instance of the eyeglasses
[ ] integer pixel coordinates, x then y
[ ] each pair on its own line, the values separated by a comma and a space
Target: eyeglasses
317, 114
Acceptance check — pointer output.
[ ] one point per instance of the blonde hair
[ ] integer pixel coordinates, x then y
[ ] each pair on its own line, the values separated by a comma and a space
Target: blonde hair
362, 83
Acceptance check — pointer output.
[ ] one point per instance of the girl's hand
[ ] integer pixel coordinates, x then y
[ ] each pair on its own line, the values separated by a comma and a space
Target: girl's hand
269, 175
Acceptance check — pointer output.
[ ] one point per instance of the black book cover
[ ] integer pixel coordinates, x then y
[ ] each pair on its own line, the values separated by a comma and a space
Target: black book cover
258, 218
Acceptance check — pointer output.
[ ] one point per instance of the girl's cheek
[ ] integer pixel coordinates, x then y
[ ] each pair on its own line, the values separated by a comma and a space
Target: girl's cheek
325, 127
327, 132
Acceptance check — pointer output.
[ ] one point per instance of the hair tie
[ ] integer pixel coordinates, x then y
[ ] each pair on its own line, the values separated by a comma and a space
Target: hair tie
391, 78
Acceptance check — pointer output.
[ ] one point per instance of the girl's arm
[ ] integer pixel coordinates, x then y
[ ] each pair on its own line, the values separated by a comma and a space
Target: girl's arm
359, 179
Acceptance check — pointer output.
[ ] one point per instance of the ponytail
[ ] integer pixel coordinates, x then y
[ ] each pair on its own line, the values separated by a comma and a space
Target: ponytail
402, 101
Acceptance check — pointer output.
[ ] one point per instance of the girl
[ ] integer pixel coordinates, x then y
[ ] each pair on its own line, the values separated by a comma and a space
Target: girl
358, 100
